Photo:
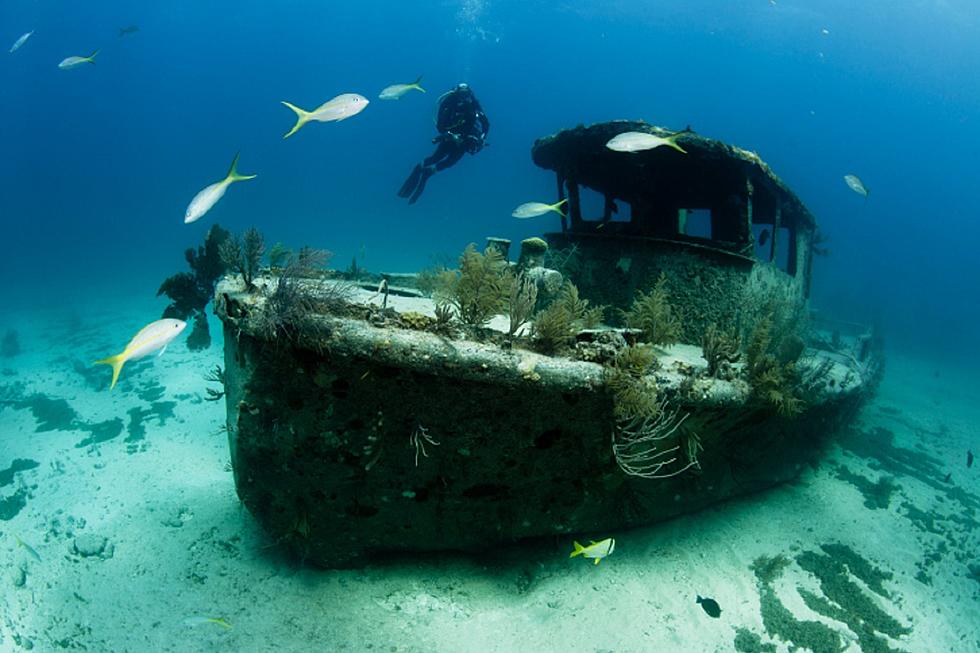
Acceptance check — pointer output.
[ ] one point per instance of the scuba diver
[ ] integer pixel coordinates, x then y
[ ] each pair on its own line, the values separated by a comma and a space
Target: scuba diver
462, 128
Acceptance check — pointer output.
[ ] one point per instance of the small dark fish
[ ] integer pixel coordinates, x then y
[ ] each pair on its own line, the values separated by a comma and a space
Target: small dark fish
131, 29
710, 606
763, 237
969, 459
948, 476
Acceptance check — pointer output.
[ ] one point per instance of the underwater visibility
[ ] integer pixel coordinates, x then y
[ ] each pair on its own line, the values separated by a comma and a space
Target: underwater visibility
489, 326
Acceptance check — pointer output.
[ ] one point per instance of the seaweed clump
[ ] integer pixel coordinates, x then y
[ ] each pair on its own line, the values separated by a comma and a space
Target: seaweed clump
779, 622
555, 327
10, 345
845, 601
653, 315
190, 292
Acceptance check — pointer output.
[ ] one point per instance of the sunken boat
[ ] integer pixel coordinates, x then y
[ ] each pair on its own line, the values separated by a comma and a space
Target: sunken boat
655, 356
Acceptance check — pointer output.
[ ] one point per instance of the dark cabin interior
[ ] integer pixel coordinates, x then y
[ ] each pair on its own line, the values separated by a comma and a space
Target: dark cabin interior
715, 196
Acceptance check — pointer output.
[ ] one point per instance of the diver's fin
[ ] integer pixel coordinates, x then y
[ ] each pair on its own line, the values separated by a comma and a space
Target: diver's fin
417, 84
578, 550
117, 363
413, 180
302, 117
233, 171
427, 171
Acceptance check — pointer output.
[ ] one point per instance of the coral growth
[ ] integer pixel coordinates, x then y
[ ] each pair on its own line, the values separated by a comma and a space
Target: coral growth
190, 292
555, 326
444, 318
244, 255
301, 294
278, 256
215, 375
774, 378
721, 350
640, 448
479, 289
431, 281
652, 314
200, 337
415, 321
645, 421
533, 252
523, 297
635, 394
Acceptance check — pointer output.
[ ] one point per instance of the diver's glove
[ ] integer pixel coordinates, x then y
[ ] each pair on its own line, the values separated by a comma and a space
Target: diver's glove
474, 144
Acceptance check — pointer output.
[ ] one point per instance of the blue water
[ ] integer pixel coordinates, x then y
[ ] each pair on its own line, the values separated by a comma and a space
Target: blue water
98, 164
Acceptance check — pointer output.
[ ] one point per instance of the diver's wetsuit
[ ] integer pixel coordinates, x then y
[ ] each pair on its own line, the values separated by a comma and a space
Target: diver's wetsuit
462, 128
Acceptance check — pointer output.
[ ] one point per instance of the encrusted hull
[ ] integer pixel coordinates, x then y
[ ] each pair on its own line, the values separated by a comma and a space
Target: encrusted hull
379, 439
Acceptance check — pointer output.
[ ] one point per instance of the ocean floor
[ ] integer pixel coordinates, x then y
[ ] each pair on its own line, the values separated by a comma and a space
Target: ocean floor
135, 539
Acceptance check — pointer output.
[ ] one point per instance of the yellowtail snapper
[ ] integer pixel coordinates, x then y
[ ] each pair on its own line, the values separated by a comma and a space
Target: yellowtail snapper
534, 209
339, 108
154, 337
74, 62
596, 550
395, 91
207, 198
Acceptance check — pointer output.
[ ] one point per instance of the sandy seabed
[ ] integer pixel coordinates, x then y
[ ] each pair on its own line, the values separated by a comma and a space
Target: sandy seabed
128, 501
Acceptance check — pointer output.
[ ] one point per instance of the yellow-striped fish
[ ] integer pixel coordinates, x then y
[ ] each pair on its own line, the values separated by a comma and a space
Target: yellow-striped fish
395, 91
155, 336
339, 108
198, 621
596, 550
534, 209
208, 197
74, 62
30, 549
641, 141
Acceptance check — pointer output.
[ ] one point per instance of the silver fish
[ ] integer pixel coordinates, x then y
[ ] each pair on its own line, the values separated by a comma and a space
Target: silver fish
854, 183
30, 550
641, 141
395, 91
534, 209
21, 41
209, 196
339, 108
152, 338
73, 62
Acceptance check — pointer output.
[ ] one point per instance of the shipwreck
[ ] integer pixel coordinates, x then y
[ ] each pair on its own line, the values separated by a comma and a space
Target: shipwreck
654, 356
